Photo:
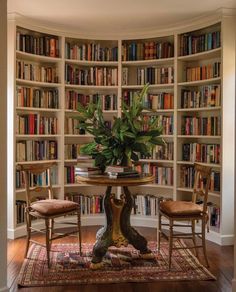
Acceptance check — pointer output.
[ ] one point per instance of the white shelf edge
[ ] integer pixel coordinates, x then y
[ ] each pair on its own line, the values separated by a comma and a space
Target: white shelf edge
190, 190
35, 57
156, 160
202, 55
36, 136
200, 82
96, 87
37, 83
216, 108
92, 63
203, 163
37, 161
199, 136
38, 109
151, 62
151, 86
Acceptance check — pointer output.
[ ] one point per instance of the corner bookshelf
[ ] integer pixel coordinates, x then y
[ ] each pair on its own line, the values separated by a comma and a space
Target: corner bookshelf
188, 71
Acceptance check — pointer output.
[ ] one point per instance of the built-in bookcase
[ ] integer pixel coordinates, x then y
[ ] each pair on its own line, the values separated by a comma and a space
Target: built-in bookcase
51, 72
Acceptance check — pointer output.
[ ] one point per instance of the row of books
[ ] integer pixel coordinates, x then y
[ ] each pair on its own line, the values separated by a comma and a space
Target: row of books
71, 151
192, 44
20, 211
146, 205
209, 126
36, 150
164, 122
89, 204
162, 100
205, 96
161, 152
38, 98
36, 72
203, 72
187, 178
163, 175
39, 45
69, 174
147, 50
109, 101
99, 76
36, 124
214, 215
36, 180
155, 75
90, 52
207, 153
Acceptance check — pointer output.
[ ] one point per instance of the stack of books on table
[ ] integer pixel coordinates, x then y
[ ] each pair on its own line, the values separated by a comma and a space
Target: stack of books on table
117, 171
85, 166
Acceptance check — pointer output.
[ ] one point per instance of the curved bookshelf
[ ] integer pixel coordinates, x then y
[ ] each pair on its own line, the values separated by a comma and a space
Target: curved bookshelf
179, 64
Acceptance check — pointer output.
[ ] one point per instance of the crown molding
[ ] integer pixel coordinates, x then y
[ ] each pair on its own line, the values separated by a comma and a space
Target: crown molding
179, 27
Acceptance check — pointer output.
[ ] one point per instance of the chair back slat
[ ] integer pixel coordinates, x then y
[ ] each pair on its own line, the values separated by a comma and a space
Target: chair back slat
37, 169
202, 179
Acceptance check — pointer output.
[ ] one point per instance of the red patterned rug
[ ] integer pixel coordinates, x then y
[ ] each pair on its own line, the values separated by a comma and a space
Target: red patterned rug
120, 265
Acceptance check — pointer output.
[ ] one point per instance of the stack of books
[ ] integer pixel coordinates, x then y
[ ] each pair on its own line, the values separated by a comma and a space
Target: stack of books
117, 171
85, 166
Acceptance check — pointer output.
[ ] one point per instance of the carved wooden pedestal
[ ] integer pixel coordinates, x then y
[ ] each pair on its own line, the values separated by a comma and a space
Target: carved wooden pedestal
117, 230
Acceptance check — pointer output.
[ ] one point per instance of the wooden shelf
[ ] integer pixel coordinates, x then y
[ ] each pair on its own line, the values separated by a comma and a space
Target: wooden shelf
215, 53
166, 61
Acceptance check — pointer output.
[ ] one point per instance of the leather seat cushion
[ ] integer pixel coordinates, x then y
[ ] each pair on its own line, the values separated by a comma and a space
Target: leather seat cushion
180, 208
53, 207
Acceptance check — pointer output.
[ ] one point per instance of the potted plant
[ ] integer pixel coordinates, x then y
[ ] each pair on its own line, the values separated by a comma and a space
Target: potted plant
120, 144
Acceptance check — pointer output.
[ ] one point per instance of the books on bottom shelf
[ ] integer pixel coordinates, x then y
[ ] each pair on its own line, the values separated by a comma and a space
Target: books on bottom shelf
89, 204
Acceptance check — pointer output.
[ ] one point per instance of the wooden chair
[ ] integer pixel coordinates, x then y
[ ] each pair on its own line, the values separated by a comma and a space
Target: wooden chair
47, 209
188, 211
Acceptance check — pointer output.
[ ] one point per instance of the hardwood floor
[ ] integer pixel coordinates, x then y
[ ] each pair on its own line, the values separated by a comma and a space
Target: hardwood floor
220, 259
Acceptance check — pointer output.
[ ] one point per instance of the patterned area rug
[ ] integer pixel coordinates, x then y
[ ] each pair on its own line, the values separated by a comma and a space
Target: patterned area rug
120, 265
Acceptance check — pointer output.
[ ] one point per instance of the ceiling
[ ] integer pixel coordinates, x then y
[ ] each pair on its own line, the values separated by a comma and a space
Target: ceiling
116, 16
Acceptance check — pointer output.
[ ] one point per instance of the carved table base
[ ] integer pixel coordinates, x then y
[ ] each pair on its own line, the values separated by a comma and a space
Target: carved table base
117, 230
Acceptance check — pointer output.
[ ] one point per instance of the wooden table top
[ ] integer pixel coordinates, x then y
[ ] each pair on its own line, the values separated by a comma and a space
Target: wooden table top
104, 180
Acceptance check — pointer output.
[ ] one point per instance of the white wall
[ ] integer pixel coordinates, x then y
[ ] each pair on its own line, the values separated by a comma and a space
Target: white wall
3, 145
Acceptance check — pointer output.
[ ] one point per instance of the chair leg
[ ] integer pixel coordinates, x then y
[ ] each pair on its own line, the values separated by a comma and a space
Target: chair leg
170, 241
48, 240
79, 229
28, 228
194, 238
204, 240
159, 233
51, 226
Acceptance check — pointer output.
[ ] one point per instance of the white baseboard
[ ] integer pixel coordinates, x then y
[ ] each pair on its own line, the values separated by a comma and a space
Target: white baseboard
139, 221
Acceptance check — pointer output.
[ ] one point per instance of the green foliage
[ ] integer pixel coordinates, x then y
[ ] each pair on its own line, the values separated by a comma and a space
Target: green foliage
125, 139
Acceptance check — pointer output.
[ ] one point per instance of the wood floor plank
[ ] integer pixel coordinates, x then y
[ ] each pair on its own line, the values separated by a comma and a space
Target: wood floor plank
220, 259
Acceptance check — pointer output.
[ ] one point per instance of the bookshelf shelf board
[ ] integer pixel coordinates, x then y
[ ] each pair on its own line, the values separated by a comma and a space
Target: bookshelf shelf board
92, 63
190, 190
37, 161
78, 136
199, 136
200, 82
25, 136
167, 136
156, 161
91, 87
23, 189
37, 58
70, 160
152, 86
166, 61
199, 109
215, 53
69, 111
37, 109
36, 83
214, 165
159, 111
